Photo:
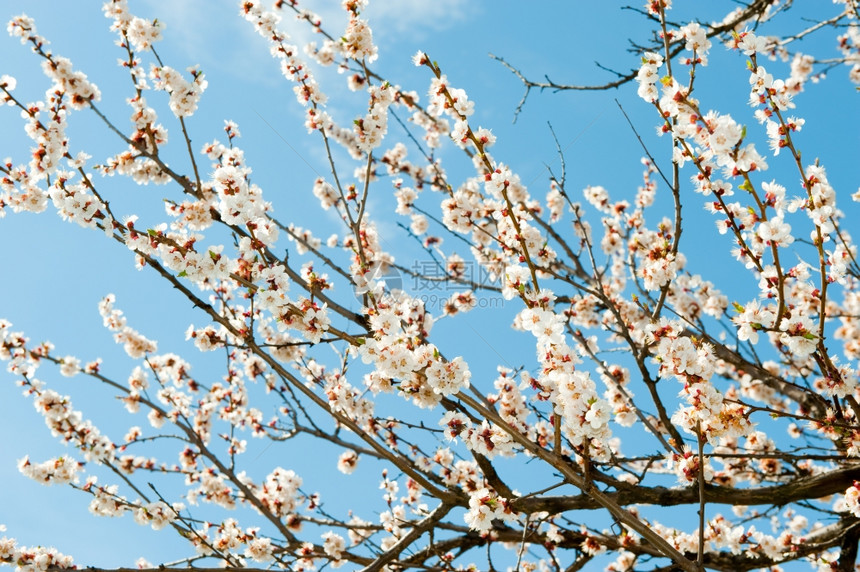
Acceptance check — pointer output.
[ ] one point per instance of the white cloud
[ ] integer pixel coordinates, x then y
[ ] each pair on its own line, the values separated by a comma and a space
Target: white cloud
211, 33
418, 17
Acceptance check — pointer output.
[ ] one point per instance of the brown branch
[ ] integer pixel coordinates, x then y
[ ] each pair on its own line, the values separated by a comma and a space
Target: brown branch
428, 523
802, 488
603, 499
755, 8
809, 401
848, 554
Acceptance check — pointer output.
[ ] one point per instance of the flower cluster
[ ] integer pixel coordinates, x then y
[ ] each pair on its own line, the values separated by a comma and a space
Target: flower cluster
59, 471
33, 559
849, 45
693, 363
134, 343
334, 546
358, 37
156, 514
140, 32
852, 499
485, 507
648, 76
424, 375
69, 84
686, 467
184, 94
488, 439
370, 130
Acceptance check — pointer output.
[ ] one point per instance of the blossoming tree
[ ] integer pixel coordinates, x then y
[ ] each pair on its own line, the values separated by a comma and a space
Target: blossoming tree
640, 385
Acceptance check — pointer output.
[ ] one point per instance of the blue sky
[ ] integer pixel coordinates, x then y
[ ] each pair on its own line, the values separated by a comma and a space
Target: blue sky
53, 274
